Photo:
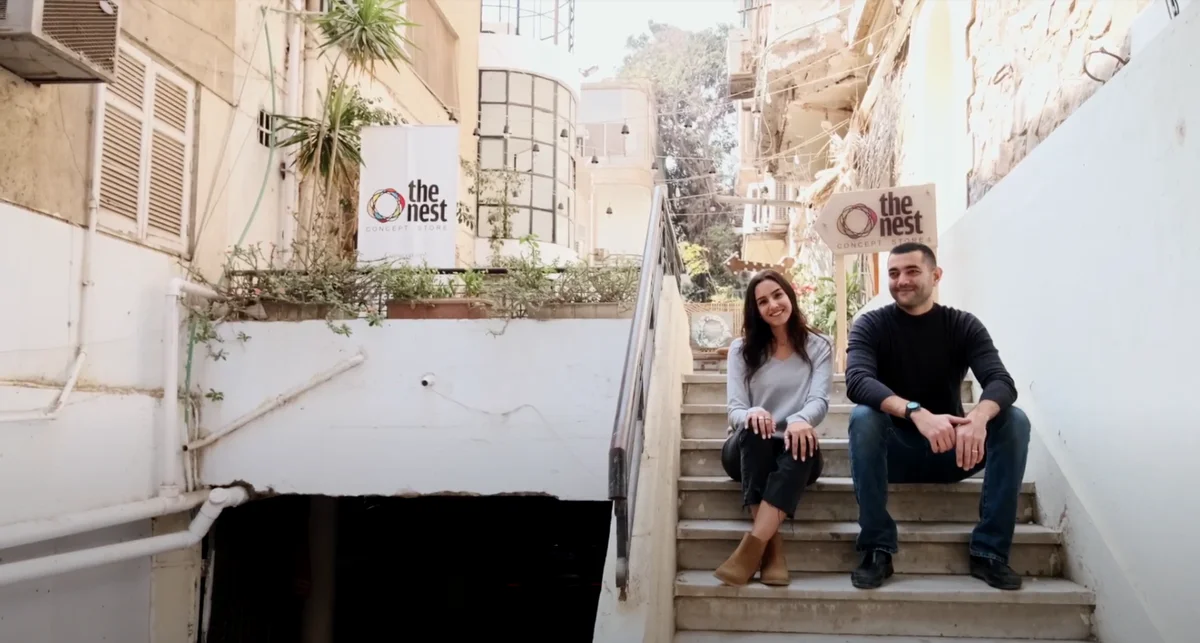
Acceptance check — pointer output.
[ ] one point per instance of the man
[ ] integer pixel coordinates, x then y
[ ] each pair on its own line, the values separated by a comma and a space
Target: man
905, 367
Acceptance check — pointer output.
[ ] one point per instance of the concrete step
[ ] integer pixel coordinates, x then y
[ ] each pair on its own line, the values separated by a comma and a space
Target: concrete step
765, 637
907, 605
832, 499
711, 420
702, 457
709, 388
925, 548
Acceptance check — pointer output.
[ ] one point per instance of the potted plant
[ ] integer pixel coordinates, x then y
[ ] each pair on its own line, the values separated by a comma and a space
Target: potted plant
422, 293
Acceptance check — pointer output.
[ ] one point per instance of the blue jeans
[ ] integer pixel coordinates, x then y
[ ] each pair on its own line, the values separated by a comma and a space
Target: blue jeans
881, 453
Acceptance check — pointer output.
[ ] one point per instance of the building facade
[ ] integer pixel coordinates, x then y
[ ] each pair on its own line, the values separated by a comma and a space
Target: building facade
109, 191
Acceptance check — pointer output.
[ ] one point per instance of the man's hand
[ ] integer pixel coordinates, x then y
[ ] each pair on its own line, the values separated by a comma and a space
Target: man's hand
938, 429
801, 440
971, 436
761, 423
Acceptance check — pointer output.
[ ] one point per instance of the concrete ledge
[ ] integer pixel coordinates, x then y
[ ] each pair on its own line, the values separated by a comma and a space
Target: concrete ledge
926, 532
970, 485
902, 588
763, 637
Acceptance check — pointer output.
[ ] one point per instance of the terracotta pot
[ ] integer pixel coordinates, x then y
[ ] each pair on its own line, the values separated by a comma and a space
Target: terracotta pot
438, 309
582, 311
288, 311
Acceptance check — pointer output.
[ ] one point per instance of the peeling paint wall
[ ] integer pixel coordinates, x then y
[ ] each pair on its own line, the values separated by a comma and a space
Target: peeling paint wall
1028, 60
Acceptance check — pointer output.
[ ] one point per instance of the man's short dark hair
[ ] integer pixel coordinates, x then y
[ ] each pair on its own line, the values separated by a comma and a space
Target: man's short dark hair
925, 251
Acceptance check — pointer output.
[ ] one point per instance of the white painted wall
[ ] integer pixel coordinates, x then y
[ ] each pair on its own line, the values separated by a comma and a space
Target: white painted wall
1082, 264
622, 233
100, 450
522, 407
624, 183
521, 53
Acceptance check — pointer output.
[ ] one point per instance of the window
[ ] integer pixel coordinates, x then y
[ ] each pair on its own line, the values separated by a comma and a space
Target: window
266, 129
533, 110
146, 153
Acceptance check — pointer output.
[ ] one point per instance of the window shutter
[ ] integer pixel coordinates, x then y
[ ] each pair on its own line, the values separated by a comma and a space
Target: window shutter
121, 159
167, 192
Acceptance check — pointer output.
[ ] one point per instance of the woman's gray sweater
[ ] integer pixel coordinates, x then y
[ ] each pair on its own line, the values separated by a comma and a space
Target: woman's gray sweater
788, 389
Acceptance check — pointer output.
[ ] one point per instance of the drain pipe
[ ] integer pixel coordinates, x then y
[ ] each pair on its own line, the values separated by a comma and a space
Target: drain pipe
85, 273
172, 438
276, 402
292, 102
218, 499
35, 531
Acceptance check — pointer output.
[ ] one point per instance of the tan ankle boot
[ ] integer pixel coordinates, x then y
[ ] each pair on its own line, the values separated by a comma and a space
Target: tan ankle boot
740, 567
774, 566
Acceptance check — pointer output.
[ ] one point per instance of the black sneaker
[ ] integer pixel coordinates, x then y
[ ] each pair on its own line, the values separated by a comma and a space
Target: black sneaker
995, 573
876, 566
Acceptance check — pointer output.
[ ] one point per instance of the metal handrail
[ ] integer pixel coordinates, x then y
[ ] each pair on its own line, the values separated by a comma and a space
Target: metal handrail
660, 258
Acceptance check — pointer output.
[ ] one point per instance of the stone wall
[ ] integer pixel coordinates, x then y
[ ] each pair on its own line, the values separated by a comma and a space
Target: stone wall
1028, 63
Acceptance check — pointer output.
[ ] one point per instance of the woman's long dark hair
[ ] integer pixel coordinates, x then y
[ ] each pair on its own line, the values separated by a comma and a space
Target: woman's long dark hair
758, 341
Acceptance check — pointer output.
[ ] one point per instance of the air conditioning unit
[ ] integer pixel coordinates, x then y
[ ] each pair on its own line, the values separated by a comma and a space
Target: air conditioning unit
60, 41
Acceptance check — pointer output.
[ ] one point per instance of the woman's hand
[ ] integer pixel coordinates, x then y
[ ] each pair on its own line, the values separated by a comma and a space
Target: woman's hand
801, 440
760, 423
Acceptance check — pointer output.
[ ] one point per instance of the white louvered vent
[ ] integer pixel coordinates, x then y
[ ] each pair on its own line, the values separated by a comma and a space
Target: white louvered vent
145, 172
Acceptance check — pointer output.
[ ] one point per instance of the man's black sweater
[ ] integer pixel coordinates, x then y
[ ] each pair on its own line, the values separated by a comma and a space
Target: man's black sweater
923, 359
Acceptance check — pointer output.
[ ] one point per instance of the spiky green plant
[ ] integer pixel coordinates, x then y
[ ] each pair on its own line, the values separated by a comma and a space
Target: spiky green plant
366, 32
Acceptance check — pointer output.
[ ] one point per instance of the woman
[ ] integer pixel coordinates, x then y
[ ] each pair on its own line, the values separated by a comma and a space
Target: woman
780, 374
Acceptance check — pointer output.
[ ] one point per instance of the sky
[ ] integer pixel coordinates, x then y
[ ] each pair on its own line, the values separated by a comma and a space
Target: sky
603, 26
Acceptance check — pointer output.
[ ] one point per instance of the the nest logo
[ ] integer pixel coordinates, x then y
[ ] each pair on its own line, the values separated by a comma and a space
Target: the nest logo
423, 205
876, 220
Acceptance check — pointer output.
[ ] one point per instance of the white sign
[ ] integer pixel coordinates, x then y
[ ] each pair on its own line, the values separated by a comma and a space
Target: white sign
876, 220
408, 194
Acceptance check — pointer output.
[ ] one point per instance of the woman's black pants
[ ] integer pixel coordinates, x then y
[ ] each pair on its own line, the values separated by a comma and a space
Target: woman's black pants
770, 474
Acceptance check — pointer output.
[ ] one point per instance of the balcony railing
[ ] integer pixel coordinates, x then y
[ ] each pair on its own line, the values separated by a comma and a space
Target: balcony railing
435, 50
550, 21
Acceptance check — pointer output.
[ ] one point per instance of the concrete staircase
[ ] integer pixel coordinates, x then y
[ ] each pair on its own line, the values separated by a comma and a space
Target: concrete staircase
931, 594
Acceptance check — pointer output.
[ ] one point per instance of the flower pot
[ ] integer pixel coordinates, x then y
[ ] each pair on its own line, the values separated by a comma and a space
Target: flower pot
290, 311
582, 311
437, 309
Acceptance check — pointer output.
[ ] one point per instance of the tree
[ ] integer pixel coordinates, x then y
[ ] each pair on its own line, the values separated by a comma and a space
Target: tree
696, 136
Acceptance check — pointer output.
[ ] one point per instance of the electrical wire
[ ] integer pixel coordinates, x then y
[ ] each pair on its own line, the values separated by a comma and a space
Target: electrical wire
271, 152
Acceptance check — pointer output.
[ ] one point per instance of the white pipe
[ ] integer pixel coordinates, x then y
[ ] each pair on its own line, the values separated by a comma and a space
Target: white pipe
291, 107
85, 273
33, 531
218, 499
276, 402
172, 439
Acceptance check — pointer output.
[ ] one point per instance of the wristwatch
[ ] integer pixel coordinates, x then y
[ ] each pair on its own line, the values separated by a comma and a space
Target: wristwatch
910, 408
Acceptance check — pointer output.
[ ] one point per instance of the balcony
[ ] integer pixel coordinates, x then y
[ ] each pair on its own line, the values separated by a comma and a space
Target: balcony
740, 62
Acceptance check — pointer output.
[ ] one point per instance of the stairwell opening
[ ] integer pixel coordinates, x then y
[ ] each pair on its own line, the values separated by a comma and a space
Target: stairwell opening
316, 569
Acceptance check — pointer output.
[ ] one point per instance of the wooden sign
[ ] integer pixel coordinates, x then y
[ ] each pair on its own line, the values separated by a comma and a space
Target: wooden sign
857, 223
867, 222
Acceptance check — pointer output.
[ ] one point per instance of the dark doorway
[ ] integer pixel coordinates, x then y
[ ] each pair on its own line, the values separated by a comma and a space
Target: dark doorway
434, 568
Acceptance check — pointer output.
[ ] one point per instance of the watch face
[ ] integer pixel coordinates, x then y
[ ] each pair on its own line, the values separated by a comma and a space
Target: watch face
912, 406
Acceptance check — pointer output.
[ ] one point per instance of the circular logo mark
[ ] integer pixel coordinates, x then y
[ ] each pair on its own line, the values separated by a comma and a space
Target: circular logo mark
859, 230
381, 211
